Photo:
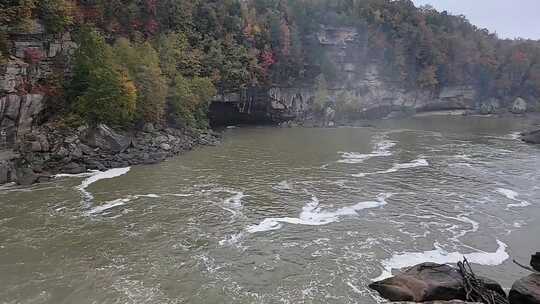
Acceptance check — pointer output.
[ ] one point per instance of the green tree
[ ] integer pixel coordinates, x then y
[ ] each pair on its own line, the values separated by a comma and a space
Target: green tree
189, 101
142, 64
56, 15
177, 56
321, 94
99, 91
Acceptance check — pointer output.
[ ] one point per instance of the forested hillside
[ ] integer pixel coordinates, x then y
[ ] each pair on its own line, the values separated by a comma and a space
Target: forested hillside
163, 60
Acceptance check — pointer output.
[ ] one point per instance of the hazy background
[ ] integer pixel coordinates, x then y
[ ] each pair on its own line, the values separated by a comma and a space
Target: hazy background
510, 19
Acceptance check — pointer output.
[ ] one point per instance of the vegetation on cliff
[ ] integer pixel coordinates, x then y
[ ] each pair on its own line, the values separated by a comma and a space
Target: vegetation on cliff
163, 60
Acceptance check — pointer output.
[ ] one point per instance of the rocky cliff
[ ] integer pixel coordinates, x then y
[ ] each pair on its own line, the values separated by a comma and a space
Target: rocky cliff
34, 148
35, 58
368, 93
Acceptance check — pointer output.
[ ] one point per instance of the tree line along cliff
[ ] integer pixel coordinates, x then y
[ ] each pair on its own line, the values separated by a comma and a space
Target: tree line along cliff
162, 61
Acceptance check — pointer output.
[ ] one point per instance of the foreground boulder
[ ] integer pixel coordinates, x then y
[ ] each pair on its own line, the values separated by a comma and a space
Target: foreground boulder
441, 302
106, 139
526, 290
531, 137
535, 261
428, 282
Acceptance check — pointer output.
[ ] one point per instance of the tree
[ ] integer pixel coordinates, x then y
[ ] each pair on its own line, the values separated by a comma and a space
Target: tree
176, 56
99, 91
321, 94
57, 15
141, 62
189, 101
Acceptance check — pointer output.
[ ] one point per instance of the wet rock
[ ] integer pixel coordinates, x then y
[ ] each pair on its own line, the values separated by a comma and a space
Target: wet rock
535, 261
86, 150
95, 165
165, 147
149, 128
106, 139
490, 106
519, 106
427, 282
26, 176
7, 172
526, 290
74, 168
532, 137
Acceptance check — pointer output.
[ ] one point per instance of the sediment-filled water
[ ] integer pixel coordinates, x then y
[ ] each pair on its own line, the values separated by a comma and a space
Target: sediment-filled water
278, 216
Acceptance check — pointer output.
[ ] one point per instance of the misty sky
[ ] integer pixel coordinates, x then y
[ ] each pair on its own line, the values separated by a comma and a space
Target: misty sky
509, 18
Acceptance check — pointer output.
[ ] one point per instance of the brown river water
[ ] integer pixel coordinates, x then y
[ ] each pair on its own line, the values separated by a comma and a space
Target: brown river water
279, 216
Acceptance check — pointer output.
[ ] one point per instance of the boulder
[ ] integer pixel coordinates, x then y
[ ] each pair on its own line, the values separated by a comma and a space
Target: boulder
427, 282
74, 168
6, 172
532, 137
519, 106
106, 139
489, 106
149, 128
535, 261
26, 176
165, 147
526, 290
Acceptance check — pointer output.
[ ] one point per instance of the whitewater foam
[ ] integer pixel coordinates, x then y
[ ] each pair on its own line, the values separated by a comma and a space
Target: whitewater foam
232, 239
512, 195
440, 256
235, 201
85, 174
283, 185
313, 215
97, 176
117, 203
421, 162
382, 148
108, 205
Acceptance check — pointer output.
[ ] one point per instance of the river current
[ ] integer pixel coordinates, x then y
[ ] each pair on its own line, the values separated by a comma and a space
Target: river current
278, 216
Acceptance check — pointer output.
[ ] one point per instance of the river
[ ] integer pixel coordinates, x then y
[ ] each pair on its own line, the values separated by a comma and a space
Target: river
278, 216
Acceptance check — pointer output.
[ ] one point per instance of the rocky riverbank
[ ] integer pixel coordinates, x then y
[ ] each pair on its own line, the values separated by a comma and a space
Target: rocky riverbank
439, 283
52, 149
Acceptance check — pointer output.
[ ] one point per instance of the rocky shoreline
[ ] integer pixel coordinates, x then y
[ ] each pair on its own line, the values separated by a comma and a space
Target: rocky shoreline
445, 284
50, 150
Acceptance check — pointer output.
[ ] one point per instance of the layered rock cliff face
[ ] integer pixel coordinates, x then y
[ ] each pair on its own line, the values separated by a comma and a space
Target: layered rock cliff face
372, 95
35, 57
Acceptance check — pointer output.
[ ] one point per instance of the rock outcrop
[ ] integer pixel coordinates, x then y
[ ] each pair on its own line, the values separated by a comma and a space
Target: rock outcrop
428, 282
526, 290
22, 95
535, 261
18, 116
519, 106
532, 137
51, 150
106, 139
